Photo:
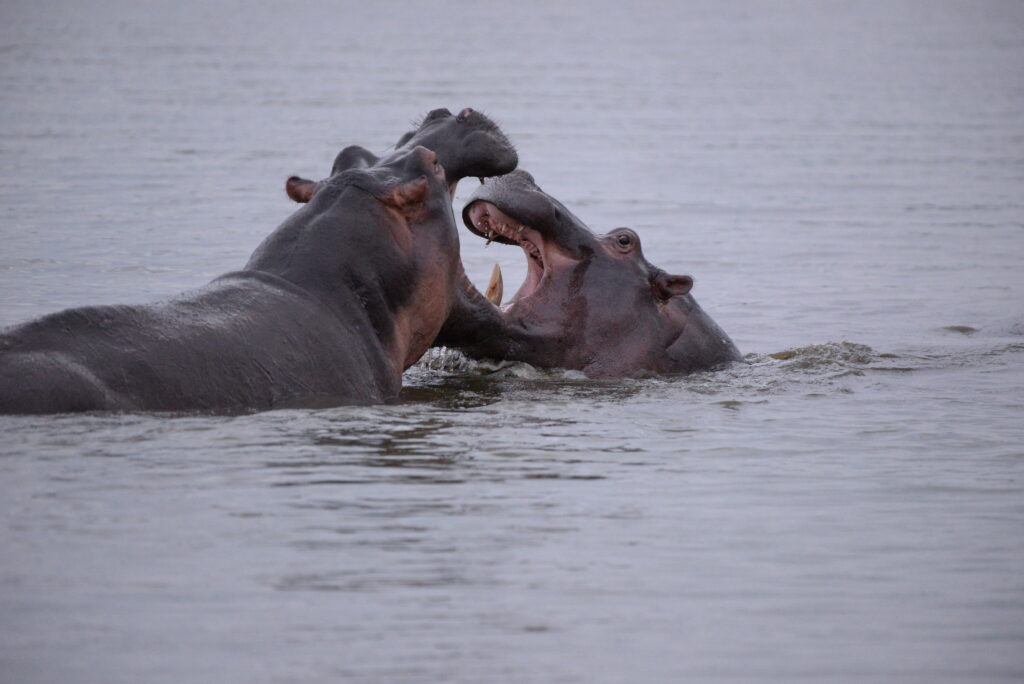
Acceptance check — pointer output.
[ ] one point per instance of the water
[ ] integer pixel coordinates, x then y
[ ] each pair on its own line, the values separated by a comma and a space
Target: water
843, 180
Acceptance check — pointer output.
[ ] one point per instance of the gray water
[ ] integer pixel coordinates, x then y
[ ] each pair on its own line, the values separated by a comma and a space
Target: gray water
844, 180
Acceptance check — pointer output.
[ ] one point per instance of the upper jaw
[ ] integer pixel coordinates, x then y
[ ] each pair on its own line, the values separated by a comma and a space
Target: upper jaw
489, 222
486, 220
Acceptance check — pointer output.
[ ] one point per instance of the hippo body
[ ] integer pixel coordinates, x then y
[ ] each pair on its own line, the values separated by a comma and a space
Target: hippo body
346, 294
247, 340
331, 308
590, 303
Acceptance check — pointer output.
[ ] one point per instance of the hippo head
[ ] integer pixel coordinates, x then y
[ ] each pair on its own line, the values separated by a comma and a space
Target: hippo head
378, 217
412, 183
467, 144
590, 302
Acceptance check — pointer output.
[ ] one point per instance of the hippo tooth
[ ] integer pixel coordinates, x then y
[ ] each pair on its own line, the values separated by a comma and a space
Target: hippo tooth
481, 179
520, 229
490, 236
495, 287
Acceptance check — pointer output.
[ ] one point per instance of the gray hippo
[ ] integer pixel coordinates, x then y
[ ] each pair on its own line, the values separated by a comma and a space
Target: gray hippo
347, 293
589, 302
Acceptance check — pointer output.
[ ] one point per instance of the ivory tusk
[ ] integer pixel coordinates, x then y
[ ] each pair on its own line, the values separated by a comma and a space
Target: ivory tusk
494, 288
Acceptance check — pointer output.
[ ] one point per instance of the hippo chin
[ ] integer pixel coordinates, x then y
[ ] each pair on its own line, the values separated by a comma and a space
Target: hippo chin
346, 294
591, 303
467, 144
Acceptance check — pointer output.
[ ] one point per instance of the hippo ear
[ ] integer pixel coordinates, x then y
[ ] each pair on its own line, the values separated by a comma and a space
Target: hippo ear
353, 157
404, 139
300, 189
406, 194
666, 286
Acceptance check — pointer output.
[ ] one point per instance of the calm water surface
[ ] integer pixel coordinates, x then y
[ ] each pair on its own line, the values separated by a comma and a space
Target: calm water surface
845, 181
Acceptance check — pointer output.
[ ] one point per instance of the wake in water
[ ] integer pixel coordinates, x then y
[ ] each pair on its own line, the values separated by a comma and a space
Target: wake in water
830, 367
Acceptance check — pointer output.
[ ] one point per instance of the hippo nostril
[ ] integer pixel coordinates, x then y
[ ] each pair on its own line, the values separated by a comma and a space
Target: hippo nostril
428, 157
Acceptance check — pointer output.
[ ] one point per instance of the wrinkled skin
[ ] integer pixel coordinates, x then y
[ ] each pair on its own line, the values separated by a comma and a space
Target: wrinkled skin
589, 302
331, 308
467, 144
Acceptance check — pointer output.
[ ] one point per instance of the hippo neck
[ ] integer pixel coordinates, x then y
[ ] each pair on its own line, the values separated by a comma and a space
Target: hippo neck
347, 263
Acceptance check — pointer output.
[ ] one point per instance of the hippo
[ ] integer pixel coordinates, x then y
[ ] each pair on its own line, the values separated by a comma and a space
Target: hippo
467, 144
330, 309
453, 138
590, 302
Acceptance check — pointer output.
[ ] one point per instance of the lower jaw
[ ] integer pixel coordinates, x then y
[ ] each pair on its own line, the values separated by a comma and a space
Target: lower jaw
523, 295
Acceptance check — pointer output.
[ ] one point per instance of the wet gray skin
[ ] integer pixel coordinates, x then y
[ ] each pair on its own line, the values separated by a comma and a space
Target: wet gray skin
467, 144
347, 293
589, 302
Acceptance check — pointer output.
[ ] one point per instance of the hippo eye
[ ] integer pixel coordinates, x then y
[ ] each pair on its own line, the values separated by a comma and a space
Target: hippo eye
624, 240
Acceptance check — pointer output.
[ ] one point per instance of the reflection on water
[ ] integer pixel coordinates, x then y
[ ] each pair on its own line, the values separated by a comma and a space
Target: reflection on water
843, 181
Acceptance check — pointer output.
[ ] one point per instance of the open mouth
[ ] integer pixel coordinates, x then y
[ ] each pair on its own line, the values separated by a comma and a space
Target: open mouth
495, 226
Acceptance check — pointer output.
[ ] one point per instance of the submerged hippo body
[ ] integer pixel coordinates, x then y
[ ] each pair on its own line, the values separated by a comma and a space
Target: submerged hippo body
330, 309
247, 340
591, 303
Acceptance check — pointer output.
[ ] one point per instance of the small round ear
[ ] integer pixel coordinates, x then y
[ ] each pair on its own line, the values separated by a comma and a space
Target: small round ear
300, 189
404, 195
404, 139
353, 157
666, 286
